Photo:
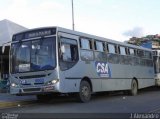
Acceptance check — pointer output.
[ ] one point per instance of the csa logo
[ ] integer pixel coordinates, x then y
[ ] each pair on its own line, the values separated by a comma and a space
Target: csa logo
103, 69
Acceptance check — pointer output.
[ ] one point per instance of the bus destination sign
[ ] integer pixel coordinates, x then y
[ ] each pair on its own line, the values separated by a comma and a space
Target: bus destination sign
39, 33
34, 34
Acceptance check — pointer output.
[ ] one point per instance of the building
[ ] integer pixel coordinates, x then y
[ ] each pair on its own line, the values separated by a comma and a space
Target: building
149, 41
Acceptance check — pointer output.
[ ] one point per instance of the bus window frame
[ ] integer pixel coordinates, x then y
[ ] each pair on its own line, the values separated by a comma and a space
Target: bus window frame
60, 53
90, 43
125, 49
103, 56
138, 53
103, 45
88, 50
129, 53
115, 48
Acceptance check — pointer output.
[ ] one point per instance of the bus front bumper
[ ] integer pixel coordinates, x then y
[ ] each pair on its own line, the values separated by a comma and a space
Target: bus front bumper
33, 90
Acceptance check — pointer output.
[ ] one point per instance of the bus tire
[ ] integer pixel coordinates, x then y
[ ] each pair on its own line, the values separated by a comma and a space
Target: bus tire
134, 88
84, 94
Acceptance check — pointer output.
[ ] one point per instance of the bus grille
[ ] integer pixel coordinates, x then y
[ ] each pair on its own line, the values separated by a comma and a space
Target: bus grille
32, 76
31, 89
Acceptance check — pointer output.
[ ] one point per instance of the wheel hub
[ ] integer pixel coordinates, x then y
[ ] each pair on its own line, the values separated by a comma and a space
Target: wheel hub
85, 91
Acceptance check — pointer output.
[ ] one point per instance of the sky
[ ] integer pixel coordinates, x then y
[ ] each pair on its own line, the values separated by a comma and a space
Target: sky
115, 19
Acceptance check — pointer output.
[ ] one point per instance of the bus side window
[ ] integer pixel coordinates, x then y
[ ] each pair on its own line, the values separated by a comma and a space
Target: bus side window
86, 49
99, 46
100, 54
112, 55
69, 53
140, 53
131, 52
112, 48
122, 50
85, 44
148, 55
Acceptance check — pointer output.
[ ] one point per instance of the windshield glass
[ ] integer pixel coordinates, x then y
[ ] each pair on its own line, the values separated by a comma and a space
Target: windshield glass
33, 55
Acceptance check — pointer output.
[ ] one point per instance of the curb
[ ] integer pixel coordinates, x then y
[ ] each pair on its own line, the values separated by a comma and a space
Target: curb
15, 104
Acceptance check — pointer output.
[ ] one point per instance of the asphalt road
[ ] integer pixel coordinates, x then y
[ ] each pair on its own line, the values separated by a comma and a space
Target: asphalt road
147, 101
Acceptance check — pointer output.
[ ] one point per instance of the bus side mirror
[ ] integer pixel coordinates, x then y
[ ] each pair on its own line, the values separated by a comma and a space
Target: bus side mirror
63, 49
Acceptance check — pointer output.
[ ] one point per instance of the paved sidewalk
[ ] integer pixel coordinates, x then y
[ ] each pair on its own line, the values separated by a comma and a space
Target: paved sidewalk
7, 100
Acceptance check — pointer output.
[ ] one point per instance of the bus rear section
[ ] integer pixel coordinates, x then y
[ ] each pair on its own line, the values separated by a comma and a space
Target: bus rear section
156, 61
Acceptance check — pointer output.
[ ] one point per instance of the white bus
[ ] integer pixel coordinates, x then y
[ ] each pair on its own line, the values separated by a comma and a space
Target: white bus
156, 60
46, 61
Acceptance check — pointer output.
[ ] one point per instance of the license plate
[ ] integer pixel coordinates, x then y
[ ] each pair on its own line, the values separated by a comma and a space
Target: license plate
23, 82
39, 80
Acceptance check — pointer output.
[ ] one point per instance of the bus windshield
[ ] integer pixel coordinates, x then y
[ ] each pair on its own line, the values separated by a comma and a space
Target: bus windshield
33, 55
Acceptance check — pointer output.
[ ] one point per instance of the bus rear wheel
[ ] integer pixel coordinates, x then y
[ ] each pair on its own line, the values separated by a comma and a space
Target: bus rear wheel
134, 88
84, 94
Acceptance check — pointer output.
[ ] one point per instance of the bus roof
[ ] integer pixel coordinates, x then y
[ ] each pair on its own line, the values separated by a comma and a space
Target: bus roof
64, 30
99, 38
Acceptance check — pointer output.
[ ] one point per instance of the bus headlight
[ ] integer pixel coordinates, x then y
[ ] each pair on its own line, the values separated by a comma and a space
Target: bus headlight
53, 82
14, 85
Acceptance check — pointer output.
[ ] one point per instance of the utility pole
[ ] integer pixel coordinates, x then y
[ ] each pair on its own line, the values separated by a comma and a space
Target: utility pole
72, 15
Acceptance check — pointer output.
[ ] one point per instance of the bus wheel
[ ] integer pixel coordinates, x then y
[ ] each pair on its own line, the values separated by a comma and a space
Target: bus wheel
134, 88
84, 94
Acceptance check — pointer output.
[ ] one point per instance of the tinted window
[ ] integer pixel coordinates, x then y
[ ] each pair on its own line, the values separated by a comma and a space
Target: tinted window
86, 55
148, 55
140, 53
